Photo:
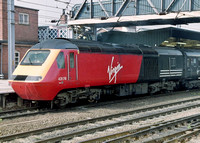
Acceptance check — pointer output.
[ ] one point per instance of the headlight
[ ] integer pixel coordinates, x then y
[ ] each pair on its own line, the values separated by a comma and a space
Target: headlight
26, 78
33, 78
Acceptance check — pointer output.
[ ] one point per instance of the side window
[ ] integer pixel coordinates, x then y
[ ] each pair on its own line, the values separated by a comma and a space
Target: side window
194, 62
198, 62
61, 60
188, 62
71, 55
17, 58
173, 63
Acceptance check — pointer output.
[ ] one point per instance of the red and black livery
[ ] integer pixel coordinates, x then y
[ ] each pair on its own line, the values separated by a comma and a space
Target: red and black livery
65, 70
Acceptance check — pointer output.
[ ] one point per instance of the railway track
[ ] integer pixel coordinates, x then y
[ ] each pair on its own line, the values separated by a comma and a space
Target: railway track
178, 130
125, 118
36, 111
18, 113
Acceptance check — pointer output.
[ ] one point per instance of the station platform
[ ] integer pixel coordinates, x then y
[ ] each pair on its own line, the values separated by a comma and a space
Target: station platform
5, 88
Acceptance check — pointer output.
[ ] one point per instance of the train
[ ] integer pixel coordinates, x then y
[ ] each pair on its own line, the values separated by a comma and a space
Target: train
64, 71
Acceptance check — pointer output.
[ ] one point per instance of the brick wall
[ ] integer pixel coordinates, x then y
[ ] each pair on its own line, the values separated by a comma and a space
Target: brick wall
26, 32
20, 48
3, 18
23, 32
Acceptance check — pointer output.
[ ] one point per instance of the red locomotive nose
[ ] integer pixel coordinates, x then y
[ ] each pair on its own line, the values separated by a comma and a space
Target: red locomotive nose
33, 91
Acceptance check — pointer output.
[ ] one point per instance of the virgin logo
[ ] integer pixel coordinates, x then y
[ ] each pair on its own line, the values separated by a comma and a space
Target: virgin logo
113, 71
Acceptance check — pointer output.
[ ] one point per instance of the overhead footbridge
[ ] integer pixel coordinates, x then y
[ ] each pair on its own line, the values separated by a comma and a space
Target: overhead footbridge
117, 13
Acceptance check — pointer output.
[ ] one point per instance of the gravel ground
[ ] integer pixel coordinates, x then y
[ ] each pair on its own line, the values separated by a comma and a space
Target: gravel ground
195, 140
134, 126
23, 124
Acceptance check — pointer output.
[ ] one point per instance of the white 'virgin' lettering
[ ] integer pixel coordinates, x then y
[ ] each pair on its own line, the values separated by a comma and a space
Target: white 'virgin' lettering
112, 71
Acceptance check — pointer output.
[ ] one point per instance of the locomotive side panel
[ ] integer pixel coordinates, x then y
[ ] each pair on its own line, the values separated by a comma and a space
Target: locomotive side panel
149, 70
170, 67
107, 69
170, 63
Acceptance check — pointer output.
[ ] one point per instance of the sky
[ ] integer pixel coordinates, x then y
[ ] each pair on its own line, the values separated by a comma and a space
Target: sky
48, 9
52, 9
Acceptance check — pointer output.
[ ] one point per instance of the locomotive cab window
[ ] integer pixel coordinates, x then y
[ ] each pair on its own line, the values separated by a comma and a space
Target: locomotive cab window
35, 57
60, 61
71, 56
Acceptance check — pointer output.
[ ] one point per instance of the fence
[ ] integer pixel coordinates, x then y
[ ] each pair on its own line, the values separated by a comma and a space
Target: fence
45, 33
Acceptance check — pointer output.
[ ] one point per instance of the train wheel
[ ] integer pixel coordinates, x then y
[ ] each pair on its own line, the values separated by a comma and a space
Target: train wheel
94, 97
59, 104
62, 100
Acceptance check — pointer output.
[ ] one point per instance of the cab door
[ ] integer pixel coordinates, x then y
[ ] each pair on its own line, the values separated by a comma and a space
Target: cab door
72, 65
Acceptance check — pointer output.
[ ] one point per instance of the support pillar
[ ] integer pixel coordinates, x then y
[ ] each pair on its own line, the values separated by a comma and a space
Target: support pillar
11, 37
19, 101
3, 100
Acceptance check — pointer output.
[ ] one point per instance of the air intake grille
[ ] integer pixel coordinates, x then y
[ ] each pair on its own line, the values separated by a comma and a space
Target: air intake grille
21, 77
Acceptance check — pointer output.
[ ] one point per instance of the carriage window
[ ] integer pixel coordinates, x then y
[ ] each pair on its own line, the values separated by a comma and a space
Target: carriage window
71, 55
61, 60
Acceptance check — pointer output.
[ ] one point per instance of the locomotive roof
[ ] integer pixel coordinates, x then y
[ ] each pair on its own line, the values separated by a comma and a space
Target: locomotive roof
94, 47
192, 52
54, 44
168, 51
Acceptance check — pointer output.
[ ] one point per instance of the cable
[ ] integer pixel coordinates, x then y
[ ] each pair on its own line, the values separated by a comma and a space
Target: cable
32, 8
68, 3
39, 4
31, 14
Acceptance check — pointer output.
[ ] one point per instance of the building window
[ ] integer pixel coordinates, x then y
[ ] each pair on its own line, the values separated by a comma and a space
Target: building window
23, 18
17, 58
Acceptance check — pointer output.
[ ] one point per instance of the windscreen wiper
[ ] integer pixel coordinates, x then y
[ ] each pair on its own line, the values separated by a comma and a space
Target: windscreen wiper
30, 61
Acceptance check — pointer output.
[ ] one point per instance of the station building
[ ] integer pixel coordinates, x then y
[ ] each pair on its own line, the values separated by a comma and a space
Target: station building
26, 34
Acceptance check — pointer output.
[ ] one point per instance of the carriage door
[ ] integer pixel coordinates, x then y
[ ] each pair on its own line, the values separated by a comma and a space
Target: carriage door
72, 66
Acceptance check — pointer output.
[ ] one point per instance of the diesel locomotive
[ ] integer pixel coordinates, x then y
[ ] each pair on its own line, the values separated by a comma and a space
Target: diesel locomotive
65, 70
